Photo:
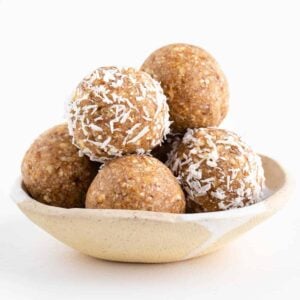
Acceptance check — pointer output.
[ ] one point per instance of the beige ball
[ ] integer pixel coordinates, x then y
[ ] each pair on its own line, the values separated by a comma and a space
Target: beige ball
196, 88
54, 173
115, 112
217, 170
136, 182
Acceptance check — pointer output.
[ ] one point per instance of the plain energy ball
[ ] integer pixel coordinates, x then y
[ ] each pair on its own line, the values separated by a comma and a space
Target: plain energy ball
217, 170
192, 80
161, 152
54, 173
136, 182
116, 111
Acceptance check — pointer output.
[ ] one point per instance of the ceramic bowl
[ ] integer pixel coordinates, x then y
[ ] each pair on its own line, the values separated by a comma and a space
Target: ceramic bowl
151, 237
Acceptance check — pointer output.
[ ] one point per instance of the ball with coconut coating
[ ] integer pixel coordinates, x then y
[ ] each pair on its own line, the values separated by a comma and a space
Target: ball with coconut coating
115, 112
54, 173
217, 170
136, 182
196, 88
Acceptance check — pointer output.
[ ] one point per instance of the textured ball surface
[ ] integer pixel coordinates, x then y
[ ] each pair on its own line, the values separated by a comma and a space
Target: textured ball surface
54, 173
136, 182
117, 111
217, 170
192, 80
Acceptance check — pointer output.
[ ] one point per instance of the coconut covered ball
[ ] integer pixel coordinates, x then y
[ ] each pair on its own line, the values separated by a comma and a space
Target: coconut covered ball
196, 88
54, 173
217, 170
117, 111
136, 182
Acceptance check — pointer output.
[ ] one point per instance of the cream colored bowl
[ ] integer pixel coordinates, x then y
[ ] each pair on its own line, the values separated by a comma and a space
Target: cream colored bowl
150, 237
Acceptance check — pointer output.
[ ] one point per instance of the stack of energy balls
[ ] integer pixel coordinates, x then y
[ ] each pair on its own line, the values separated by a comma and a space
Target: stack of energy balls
147, 140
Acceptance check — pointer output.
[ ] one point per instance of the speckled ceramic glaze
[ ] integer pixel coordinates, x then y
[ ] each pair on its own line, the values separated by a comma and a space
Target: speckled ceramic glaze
150, 237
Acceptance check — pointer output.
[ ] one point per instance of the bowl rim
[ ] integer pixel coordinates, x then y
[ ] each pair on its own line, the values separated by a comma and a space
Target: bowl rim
21, 197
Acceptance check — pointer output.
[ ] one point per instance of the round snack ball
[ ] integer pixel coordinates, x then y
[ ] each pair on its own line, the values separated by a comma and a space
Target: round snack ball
161, 152
217, 170
118, 111
54, 173
136, 182
196, 87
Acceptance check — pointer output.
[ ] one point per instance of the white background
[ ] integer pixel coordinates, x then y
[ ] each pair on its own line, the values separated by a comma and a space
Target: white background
46, 47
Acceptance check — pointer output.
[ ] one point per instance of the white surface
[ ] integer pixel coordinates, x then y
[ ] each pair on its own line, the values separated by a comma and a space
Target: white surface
46, 47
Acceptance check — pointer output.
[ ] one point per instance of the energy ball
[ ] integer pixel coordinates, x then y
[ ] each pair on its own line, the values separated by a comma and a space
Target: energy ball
161, 152
54, 173
116, 111
217, 170
196, 87
136, 182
